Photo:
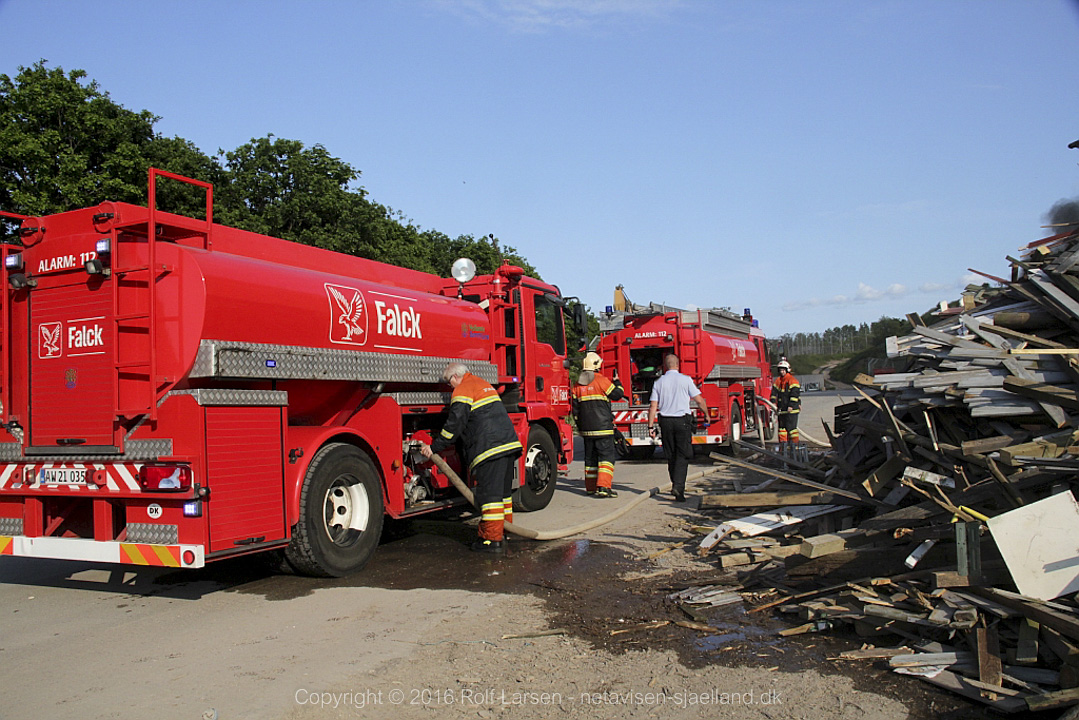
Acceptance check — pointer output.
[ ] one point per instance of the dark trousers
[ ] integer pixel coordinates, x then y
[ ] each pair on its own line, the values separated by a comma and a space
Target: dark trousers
494, 486
494, 479
677, 433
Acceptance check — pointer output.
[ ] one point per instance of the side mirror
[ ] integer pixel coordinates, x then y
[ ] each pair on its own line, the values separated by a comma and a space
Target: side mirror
580, 319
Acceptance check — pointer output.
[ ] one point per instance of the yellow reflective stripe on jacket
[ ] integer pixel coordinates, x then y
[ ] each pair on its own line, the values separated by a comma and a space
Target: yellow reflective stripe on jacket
447, 435
485, 401
497, 450
584, 398
461, 399
594, 433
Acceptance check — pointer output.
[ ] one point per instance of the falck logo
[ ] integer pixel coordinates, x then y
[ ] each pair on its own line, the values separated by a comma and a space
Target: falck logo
48, 341
348, 316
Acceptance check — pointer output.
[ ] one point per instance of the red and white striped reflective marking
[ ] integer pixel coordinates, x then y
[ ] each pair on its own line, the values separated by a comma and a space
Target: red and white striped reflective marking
119, 476
631, 416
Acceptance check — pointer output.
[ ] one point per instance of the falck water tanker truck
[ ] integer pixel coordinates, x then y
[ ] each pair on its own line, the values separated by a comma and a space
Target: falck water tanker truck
176, 392
722, 352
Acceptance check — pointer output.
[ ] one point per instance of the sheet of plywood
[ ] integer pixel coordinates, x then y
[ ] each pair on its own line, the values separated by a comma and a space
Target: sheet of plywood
1040, 546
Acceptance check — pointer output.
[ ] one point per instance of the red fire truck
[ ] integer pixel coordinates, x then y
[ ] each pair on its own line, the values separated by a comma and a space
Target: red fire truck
722, 352
175, 391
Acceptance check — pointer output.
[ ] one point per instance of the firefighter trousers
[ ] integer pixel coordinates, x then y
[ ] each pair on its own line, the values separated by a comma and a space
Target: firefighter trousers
599, 458
788, 427
494, 495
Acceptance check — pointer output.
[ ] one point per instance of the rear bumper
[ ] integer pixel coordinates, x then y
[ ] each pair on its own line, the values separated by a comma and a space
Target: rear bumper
57, 548
697, 440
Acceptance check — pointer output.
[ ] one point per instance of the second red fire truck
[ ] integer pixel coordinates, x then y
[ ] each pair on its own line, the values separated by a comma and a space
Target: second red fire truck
724, 354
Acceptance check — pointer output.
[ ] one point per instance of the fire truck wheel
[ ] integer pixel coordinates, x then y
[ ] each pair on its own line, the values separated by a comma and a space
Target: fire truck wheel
736, 425
341, 513
541, 472
731, 447
771, 423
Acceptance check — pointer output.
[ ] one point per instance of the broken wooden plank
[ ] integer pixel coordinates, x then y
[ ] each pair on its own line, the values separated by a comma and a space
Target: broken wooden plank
769, 499
988, 445
990, 667
766, 522
820, 545
929, 478
1026, 647
883, 476
789, 477
944, 659
962, 686
1064, 623
1052, 700
804, 467
1043, 392
872, 653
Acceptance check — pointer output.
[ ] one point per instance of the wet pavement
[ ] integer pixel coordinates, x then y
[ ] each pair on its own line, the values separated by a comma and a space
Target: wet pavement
583, 584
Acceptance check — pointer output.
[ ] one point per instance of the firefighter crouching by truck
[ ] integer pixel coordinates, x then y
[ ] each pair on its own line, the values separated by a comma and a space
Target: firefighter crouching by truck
591, 400
787, 395
479, 419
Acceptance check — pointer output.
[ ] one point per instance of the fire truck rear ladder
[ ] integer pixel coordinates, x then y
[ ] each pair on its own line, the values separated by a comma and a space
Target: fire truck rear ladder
5, 312
142, 279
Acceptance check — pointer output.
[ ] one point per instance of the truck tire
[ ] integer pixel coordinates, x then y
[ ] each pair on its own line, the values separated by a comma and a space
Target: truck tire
736, 425
771, 424
731, 447
541, 472
341, 514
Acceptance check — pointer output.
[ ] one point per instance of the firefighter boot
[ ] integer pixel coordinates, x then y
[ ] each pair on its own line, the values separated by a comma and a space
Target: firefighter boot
604, 480
490, 529
495, 547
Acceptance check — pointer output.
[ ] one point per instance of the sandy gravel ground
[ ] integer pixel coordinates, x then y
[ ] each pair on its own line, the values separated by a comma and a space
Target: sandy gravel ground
423, 633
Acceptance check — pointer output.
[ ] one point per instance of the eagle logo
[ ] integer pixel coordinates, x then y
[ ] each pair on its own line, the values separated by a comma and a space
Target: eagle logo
348, 322
49, 345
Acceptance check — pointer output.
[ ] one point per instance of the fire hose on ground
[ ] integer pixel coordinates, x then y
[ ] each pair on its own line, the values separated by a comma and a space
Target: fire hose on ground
531, 534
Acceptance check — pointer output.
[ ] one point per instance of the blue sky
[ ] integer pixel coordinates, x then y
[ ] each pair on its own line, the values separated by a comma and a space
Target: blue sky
820, 162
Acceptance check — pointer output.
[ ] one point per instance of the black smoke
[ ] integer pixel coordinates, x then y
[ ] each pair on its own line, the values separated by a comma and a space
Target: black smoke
1063, 216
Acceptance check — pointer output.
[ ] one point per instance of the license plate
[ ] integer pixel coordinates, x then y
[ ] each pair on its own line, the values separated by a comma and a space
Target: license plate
62, 476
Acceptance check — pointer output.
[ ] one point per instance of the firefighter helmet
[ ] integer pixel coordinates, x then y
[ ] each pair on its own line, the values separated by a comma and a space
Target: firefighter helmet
784, 365
592, 361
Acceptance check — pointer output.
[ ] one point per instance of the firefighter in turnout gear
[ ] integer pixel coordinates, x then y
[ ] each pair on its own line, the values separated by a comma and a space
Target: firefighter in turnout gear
787, 395
479, 420
591, 399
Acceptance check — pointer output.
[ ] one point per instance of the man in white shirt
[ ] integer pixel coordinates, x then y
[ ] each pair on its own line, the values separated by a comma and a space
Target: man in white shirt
671, 396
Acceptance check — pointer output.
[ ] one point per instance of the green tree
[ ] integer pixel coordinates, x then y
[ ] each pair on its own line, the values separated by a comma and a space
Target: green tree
65, 144
278, 187
486, 251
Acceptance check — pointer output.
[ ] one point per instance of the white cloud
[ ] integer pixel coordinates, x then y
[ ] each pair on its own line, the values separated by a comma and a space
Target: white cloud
866, 293
534, 16
934, 287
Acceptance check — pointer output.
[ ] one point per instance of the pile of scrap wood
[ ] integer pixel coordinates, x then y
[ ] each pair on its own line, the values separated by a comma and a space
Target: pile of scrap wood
944, 513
